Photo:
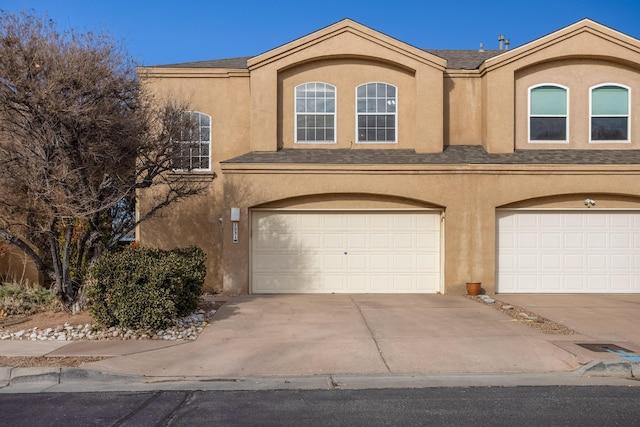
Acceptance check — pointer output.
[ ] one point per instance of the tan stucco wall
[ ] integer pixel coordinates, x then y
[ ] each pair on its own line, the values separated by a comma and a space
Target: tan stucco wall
346, 75
469, 197
253, 111
462, 108
225, 96
272, 75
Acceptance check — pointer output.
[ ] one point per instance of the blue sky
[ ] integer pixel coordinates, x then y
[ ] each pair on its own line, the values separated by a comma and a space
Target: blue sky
165, 32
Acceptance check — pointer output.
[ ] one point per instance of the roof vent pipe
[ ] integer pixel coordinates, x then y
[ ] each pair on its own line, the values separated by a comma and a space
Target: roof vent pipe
501, 40
507, 42
481, 48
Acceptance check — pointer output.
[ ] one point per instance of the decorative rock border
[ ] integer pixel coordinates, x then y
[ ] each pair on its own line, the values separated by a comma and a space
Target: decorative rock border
186, 328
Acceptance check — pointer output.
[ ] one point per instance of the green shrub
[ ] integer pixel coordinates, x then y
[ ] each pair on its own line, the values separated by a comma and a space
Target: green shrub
144, 287
16, 299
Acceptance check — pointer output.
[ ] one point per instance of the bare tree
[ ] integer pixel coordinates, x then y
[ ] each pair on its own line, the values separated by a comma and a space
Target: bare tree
79, 136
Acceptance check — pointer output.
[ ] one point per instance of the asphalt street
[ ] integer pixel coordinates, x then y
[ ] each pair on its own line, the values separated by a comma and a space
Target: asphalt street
453, 406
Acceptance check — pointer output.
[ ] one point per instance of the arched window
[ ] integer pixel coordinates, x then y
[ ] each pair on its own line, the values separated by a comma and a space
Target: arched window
548, 113
315, 113
609, 113
193, 149
376, 105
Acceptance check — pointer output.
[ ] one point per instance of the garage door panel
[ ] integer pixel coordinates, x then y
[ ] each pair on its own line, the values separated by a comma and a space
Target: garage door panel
528, 261
427, 282
550, 262
621, 261
345, 251
621, 283
380, 262
428, 241
568, 251
596, 221
403, 241
357, 262
357, 241
596, 282
527, 241
574, 241
620, 241
550, 240
380, 241
427, 262
331, 241
574, 261
357, 283
551, 282
380, 283
332, 263
404, 262
403, 283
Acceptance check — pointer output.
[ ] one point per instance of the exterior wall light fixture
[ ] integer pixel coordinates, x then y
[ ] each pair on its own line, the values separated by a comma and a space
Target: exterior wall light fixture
589, 202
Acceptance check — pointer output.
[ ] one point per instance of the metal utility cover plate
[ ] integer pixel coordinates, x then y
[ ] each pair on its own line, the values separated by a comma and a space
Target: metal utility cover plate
603, 348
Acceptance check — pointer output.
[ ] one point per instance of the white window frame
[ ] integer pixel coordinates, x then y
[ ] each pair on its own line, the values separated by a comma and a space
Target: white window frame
323, 113
628, 116
395, 114
566, 116
200, 142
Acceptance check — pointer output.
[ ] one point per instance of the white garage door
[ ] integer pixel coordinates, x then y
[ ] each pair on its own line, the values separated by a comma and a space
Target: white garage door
568, 251
345, 252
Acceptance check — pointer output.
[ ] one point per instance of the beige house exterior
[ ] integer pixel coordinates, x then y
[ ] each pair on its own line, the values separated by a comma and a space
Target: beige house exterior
349, 161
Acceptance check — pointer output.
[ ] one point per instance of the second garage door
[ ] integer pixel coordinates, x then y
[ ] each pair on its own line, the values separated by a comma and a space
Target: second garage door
345, 252
568, 251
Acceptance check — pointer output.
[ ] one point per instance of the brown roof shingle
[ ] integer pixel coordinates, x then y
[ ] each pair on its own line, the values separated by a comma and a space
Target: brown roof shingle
237, 63
464, 59
454, 154
456, 60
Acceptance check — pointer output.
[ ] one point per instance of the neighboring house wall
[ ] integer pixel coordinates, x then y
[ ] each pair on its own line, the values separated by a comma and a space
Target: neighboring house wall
16, 267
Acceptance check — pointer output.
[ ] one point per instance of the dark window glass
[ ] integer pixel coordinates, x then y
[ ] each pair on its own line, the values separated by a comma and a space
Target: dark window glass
548, 129
609, 129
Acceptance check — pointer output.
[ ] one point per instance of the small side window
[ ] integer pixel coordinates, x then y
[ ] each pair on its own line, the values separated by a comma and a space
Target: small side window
193, 149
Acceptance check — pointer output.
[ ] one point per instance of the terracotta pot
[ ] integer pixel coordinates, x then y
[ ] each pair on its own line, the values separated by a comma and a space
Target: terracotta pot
473, 288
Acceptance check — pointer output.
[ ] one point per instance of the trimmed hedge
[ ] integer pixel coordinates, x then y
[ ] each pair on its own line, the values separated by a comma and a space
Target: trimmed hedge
146, 288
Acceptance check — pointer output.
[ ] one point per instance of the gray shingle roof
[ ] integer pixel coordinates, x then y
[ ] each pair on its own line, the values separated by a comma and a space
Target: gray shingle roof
464, 59
237, 63
455, 154
456, 60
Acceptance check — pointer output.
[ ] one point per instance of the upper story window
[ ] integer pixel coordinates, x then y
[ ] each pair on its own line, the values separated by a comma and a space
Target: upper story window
315, 113
609, 113
192, 151
376, 112
548, 106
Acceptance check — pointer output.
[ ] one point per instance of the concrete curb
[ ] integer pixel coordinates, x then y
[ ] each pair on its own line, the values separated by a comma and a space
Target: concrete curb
33, 380
34, 375
5, 376
612, 368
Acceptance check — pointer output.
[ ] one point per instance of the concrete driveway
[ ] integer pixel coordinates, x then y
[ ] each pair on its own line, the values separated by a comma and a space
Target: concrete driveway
375, 334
